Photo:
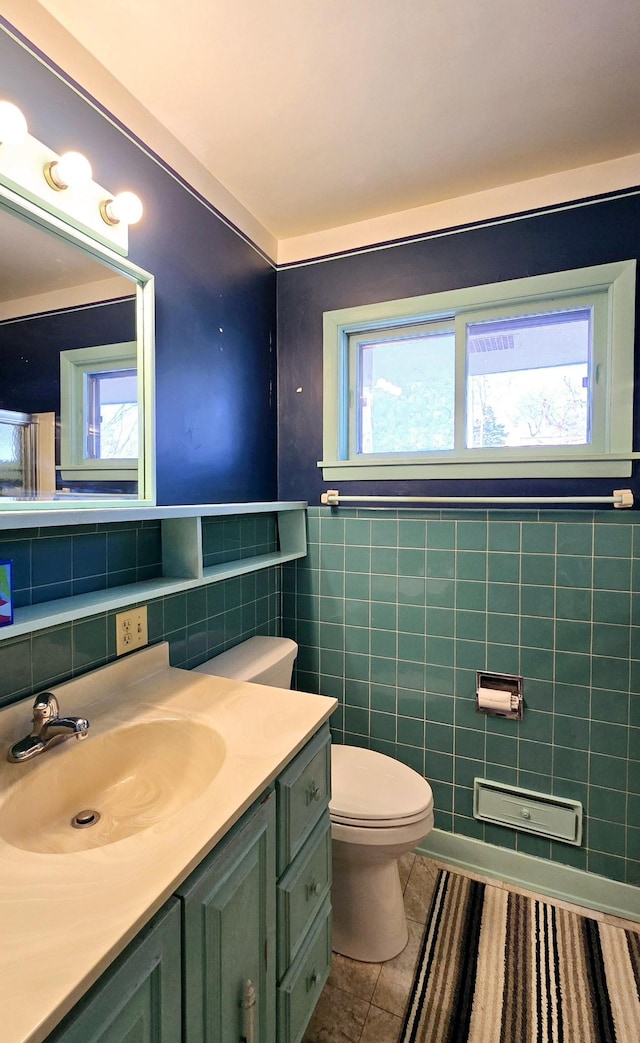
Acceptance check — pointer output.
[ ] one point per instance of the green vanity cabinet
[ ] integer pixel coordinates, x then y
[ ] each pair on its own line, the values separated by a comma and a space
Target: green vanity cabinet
242, 950
139, 998
229, 936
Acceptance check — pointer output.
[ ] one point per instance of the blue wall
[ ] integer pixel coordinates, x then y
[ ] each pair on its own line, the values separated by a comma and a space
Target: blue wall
595, 233
215, 301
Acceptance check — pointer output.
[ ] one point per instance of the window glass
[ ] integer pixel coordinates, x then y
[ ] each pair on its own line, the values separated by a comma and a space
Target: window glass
528, 380
112, 415
406, 393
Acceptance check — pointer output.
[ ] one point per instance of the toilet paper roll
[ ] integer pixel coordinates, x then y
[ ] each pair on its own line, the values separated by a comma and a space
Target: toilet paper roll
494, 700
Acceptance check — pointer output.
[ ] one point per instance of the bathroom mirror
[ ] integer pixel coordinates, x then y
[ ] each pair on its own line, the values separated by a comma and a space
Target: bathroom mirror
76, 367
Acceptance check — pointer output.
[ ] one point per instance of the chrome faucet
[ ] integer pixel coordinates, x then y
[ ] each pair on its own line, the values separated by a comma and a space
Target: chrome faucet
48, 729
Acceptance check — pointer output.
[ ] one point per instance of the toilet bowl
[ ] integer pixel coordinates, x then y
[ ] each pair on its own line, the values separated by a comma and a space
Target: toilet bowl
380, 809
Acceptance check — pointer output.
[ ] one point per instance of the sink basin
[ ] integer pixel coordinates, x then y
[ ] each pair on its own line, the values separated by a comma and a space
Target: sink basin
132, 777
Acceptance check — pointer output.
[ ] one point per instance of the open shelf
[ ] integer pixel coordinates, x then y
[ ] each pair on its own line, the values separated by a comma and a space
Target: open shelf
182, 559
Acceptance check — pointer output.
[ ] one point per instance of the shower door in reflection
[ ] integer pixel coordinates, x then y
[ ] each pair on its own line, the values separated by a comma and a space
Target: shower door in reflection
18, 434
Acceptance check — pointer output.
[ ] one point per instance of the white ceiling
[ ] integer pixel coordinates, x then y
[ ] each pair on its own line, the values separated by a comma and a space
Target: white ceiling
320, 113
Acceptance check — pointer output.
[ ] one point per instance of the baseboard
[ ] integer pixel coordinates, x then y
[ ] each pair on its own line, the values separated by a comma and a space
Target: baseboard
536, 874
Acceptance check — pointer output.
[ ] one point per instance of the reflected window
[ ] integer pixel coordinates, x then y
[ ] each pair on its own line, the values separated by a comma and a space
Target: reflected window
112, 415
99, 412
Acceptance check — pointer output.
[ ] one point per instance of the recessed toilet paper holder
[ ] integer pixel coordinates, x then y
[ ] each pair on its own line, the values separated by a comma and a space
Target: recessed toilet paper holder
499, 695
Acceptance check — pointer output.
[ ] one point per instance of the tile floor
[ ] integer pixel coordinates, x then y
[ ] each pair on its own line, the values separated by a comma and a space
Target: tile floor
365, 1002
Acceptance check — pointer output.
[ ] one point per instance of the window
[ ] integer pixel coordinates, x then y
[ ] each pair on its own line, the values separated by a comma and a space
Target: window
99, 413
532, 377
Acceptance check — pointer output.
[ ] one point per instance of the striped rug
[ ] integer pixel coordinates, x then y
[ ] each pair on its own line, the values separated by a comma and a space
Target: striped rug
498, 967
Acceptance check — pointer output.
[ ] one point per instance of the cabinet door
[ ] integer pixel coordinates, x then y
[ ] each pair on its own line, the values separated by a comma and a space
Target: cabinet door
138, 1000
229, 936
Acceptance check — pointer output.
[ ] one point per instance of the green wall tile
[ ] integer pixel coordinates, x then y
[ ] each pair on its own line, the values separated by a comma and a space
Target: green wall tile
536, 601
538, 569
440, 564
572, 603
89, 643
538, 538
16, 674
503, 598
611, 739
472, 595
575, 539
571, 731
611, 574
504, 536
612, 540
608, 771
52, 659
573, 571
471, 535
536, 632
357, 531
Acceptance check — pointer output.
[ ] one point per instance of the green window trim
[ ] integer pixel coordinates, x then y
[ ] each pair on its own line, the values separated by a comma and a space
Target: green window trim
74, 365
609, 288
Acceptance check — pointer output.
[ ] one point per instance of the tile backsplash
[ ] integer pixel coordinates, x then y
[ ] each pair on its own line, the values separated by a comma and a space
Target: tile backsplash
52, 563
394, 612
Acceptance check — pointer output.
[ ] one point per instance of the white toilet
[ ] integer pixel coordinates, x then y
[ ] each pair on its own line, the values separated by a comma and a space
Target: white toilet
380, 809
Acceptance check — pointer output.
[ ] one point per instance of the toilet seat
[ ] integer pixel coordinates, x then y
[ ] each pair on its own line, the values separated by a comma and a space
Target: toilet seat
371, 790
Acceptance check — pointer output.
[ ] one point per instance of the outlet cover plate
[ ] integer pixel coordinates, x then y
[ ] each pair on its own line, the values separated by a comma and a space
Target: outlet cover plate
131, 630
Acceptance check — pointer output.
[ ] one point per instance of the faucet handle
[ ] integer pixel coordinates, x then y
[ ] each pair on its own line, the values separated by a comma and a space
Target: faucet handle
45, 708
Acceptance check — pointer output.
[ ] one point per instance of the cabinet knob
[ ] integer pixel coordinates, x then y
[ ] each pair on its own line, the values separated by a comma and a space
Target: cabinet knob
313, 889
313, 792
526, 813
312, 980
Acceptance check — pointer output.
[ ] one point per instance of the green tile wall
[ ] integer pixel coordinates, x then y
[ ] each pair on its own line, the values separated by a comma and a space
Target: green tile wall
238, 536
394, 611
54, 563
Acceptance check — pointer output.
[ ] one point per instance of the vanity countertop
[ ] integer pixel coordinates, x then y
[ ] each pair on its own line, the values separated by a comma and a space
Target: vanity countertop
64, 917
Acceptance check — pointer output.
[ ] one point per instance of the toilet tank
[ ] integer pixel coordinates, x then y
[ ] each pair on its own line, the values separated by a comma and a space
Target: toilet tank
263, 660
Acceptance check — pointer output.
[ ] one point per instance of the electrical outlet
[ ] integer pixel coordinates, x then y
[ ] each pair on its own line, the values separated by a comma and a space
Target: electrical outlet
131, 630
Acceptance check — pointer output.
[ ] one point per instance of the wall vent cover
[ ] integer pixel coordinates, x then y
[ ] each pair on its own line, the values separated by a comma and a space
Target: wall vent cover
553, 817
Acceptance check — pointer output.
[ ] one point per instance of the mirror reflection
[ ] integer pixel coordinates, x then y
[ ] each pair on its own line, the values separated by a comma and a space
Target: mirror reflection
71, 424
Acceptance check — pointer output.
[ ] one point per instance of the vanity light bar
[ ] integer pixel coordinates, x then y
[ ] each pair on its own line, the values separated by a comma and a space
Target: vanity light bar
63, 184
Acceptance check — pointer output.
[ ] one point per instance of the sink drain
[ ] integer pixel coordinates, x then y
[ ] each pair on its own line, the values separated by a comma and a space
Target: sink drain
85, 818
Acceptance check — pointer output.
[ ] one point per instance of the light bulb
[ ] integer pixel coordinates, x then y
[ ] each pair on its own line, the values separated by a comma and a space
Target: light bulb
125, 207
13, 125
71, 170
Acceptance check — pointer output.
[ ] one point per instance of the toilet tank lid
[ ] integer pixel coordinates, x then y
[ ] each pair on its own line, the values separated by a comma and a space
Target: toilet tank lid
250, 658
366, 784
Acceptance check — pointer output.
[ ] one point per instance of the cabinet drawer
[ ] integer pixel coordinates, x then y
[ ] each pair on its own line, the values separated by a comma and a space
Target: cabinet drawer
301, 988
304, 789
301, 891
